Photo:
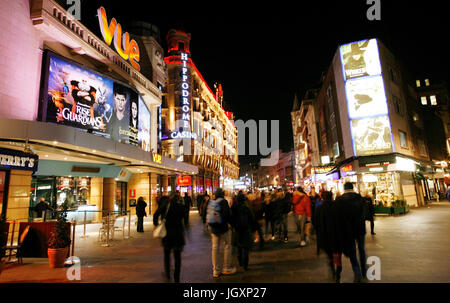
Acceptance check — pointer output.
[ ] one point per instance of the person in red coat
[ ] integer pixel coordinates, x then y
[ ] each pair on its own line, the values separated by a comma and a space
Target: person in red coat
302, 212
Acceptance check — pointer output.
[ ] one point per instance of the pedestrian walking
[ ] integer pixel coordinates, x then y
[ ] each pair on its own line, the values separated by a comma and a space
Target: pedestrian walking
173, 211
203, 210
327, 237
302, 212
219, 220
313, 197
256, 205
369, 212
140, 213
447, 193
187, 205
244, 223
351, 229
269, 215
284, 207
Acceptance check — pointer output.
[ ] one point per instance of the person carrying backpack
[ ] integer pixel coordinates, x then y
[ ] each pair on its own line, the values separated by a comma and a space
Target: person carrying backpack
244, 223
218, 218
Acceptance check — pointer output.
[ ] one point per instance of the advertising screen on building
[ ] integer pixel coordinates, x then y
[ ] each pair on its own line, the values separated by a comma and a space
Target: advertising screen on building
360, 59
144, 126
372, 136
89, 101
366, 97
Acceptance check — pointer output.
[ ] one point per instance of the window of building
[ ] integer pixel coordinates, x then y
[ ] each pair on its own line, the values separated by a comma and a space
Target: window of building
397, 105
423, 99
427, 82
402, 136
422, 147
391, 74
433, 100
418, 83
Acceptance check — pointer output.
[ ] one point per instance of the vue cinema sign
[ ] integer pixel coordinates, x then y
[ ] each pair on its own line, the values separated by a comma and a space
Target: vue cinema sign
128, 50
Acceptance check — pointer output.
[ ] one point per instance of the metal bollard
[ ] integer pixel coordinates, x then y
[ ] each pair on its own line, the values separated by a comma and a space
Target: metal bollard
84, 228
107, 231
129, 223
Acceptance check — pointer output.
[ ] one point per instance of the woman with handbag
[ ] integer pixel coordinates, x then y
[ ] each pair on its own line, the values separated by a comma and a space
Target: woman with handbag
172, 220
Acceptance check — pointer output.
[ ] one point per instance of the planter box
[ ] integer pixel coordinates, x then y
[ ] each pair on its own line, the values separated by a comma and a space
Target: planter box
382, 210
401, 210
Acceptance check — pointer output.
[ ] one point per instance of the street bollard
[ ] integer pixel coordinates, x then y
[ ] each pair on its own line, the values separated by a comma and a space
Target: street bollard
129, 223
107, 231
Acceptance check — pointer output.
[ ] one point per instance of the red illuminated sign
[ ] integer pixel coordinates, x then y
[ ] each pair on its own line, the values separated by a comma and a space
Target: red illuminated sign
347, 168
132, 193
183, 180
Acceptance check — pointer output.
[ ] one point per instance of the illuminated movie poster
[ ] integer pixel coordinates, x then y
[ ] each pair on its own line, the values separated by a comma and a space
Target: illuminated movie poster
77, 97
119, 126
144, 126
360, 59
372, 136
366, 97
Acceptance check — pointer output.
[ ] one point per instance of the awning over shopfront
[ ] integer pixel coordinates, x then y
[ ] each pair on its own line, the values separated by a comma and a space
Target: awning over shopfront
63, 143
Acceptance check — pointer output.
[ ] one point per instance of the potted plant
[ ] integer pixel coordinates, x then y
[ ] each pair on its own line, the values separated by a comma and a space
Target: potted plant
382, 209
59, 241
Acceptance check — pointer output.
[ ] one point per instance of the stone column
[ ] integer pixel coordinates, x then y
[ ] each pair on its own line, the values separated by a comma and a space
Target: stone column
140, 183
18, 195
96, 196
109, 193
164, 183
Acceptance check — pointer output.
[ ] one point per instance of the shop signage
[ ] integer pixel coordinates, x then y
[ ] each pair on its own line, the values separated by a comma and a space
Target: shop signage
183, 135
128, 50
347, 168
183, 180
157, 158
322, 170
377, 164
12, 159
132, 193
376, 169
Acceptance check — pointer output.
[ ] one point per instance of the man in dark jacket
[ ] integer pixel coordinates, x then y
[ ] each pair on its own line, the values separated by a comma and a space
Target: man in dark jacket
140, 213
41, 207
221, 235
351, 228
369, 212
244, 222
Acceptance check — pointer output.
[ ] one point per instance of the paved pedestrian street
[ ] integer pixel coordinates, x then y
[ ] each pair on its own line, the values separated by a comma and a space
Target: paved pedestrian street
412, 248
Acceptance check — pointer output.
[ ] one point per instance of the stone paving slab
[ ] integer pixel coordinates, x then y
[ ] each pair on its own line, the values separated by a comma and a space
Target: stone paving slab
412, 248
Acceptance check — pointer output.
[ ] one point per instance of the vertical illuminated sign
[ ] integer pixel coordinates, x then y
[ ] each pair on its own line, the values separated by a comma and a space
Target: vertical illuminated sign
185, 99
366, 98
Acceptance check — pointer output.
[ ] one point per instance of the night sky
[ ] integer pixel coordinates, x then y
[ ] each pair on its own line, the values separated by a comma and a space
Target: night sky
265, 52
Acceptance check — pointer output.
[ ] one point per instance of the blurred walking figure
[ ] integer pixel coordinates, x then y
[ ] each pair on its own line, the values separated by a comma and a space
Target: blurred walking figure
203, 210
369, 212
187, 205
173, 211
244, 223
351, 228
313, 197
219, 218
256, 205
327, 237
302, 212
282, 210
41, 207
269, 214
140, 213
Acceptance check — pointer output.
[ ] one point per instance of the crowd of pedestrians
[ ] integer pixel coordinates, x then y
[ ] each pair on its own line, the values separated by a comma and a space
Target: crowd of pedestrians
246, 220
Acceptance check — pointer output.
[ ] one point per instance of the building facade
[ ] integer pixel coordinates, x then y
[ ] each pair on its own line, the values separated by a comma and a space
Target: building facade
79, 120
371, 131
195, 127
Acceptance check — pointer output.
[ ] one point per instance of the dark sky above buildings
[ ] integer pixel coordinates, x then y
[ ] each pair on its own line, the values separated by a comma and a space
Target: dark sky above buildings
264, 52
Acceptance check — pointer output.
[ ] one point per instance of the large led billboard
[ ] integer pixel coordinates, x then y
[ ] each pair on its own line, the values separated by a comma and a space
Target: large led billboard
360, 59
366, 97
372, 136
77, 97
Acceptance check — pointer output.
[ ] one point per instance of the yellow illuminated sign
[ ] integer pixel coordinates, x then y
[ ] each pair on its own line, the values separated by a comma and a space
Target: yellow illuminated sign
157, 158
127, 49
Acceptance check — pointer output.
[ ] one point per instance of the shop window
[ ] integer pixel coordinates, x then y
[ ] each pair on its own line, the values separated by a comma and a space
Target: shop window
2, 192
121, 197
402, 136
